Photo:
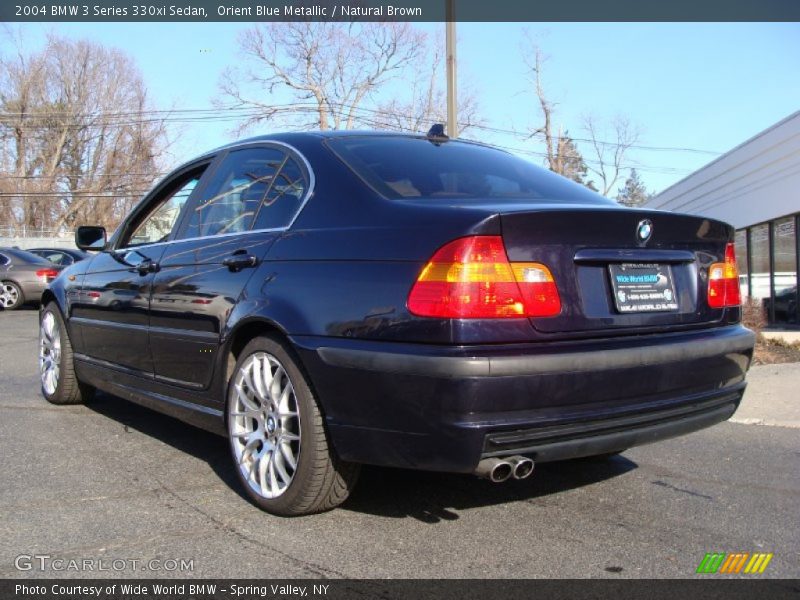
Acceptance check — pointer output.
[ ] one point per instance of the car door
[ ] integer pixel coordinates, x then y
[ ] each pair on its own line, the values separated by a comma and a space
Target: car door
251, 197
111, 314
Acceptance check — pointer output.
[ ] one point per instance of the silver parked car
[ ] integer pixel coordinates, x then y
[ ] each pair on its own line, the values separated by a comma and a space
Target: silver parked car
23, 277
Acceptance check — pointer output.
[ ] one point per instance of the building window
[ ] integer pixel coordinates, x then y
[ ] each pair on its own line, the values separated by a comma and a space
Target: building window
741, 261
785, 272
759, 256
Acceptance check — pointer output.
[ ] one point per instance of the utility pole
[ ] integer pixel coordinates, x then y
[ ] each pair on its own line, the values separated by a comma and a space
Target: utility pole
450, 38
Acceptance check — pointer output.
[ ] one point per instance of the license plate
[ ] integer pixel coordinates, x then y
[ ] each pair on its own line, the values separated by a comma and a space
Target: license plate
643, 287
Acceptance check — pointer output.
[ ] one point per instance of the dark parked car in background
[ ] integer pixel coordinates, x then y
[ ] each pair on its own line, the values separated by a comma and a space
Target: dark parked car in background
23, 277
785, 305
60, 256
331, 299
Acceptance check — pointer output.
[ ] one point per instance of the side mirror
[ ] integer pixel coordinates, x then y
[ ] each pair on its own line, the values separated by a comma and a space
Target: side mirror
90, 237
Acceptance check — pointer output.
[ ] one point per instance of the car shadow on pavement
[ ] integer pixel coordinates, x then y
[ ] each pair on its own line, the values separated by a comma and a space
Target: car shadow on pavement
202, 444
393, 493
435, 497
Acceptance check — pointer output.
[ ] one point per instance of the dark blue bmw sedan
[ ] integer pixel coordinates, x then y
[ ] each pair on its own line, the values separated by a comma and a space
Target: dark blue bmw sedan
331, 299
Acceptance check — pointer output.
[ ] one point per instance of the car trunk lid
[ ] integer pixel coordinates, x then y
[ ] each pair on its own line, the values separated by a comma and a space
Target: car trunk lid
619, 269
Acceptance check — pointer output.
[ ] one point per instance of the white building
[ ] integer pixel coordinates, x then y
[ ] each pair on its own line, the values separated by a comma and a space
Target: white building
756, 188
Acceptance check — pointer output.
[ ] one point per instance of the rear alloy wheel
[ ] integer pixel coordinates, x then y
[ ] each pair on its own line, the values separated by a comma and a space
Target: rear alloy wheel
11, 296
280, 448
60, 385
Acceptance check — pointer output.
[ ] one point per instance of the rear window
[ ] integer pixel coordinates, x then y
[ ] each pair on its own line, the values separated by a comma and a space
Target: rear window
27, 257
58, 258
407, 168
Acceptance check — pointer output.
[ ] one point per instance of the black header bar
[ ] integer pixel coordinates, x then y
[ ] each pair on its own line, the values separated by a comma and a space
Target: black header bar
398, 10
707, 587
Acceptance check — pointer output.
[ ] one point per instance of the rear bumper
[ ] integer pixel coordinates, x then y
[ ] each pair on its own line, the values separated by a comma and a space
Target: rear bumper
445, 408
614, 434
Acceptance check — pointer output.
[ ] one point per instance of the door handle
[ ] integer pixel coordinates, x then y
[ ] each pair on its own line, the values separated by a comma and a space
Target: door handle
147, 266
237, 262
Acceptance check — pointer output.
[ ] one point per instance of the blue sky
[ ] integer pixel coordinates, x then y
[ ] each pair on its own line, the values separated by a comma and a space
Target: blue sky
686, 85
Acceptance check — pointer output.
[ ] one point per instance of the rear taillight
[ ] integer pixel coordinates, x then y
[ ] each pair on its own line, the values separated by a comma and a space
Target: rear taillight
47, 274
723, 281
472, 278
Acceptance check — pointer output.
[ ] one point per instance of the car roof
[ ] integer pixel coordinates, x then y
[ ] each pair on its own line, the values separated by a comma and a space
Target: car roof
71, 251
290, 137
24, 255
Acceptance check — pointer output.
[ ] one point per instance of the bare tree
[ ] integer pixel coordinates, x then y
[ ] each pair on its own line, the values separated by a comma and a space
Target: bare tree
534, 60
610, 156
22, 84
77, 122
329, 69
426, 100
561, 155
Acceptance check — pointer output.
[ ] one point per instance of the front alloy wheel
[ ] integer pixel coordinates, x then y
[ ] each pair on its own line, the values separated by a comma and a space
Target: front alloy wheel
278, 439
49, 353
60, 384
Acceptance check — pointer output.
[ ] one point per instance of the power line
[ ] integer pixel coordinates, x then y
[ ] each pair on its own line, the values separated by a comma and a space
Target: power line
131, 194
66, 176
222, 113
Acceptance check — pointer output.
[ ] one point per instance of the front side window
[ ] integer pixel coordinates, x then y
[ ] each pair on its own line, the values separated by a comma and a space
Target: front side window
235, 193
3, 259
160, 221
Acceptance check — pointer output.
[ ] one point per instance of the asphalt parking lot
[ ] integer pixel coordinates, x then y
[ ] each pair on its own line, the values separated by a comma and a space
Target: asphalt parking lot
114, 481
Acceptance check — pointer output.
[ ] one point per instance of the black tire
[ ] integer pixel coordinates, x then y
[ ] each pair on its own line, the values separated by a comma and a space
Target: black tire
321, 480
17, 291
69, 389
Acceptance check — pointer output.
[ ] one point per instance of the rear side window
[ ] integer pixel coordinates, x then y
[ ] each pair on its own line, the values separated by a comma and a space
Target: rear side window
234, 194
3, 259
58, 258
283, 198
409, 168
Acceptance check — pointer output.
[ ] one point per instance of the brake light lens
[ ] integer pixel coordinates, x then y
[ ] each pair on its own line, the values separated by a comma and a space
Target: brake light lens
472, 278
723, 281
47, 274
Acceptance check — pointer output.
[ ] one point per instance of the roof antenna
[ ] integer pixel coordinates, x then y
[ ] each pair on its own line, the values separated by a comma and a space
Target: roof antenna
436, 134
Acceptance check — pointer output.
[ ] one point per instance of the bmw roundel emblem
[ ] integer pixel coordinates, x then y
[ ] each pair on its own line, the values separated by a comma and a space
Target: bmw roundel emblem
644, 230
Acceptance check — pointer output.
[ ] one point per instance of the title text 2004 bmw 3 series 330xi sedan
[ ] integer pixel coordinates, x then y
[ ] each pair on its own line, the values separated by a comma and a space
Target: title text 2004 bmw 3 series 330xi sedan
331, 299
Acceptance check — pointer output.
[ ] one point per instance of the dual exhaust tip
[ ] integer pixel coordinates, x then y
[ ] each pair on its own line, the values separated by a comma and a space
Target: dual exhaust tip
503, 469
